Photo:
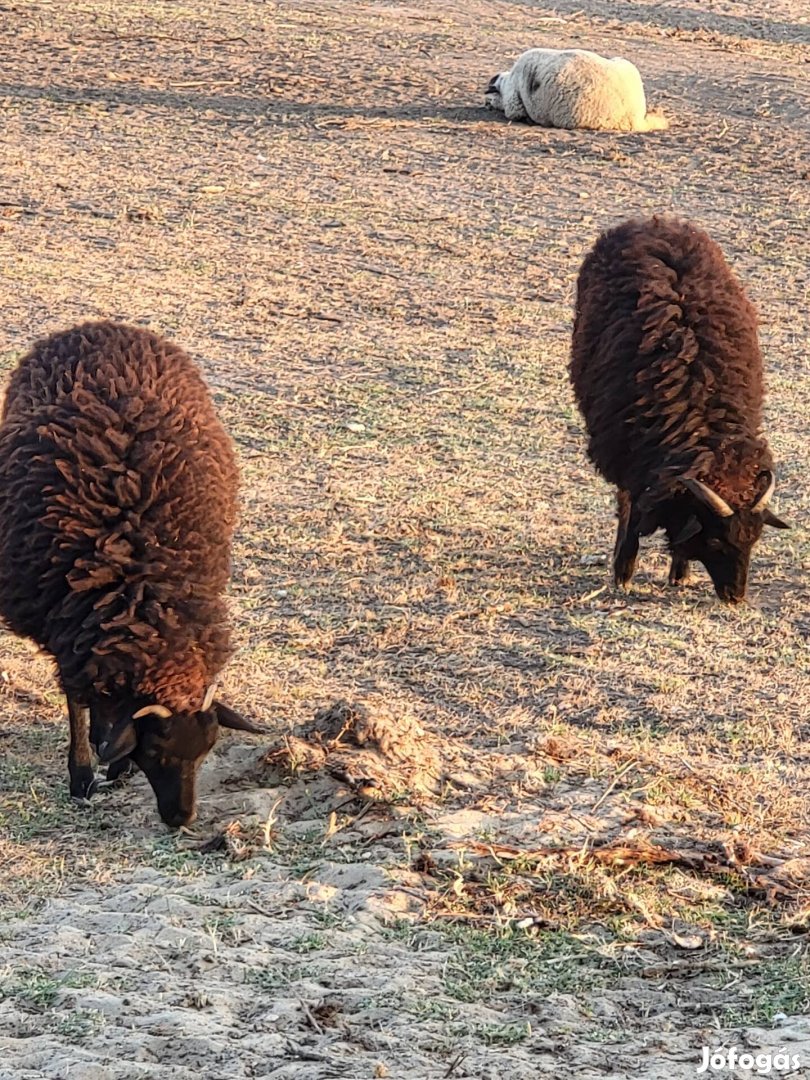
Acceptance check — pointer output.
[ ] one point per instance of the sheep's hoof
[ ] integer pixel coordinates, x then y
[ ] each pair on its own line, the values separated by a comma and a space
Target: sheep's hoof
94, 787
118, 773
679, 571
83, 784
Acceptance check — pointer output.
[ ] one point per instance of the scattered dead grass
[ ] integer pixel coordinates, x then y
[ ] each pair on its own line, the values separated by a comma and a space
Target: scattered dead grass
510, 822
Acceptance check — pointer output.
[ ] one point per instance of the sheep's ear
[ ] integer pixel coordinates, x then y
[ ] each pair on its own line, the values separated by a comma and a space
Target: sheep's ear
771, 519
118, 742
690, 529
229, 718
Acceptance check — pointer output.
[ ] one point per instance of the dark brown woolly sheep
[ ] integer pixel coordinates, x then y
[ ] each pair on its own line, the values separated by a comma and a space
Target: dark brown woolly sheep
667, 371
117, 504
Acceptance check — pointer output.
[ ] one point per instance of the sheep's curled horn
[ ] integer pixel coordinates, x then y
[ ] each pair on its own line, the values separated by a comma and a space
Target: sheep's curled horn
153, 710
719, 505
709, 497
761, 504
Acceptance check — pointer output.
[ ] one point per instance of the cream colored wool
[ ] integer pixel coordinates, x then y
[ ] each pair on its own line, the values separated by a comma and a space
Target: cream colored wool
574, 88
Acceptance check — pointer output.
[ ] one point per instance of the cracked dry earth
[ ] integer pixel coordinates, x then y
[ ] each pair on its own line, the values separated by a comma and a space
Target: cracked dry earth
508, 825
299, 931
218, 977
240, 963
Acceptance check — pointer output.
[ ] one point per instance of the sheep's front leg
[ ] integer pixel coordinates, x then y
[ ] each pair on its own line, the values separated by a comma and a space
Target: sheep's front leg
679, 570
80, 767
625, 553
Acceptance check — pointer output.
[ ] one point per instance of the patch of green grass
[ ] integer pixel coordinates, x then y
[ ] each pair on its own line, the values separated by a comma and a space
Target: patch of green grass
448, 1013
33, 811
222, 928
276, 978
398, 930
606, 1035
484, 964
166, 853
502, 1034
303, 852
778, 985
40, 989
329, 919
308, 943
17, 775
77, 1025
301, 862
431, 1008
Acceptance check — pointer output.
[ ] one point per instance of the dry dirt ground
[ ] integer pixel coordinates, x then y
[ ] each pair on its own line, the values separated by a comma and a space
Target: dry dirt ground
509, 824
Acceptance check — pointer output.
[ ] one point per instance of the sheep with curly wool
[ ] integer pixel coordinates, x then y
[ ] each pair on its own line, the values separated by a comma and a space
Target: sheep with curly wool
118, 489
573, 88
667, 371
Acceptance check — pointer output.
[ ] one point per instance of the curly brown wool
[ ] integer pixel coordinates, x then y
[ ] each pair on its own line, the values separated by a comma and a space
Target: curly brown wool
117, 504
667, 370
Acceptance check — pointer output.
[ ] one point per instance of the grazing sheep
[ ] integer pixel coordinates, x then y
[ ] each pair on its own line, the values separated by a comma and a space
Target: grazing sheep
573, 88
667, 371
117, 504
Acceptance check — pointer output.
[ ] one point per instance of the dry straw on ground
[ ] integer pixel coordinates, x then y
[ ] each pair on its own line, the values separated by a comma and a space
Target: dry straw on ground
538, 829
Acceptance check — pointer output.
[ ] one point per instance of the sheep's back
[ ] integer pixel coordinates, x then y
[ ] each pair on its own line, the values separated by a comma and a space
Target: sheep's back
665, 362
576, 88
117, 495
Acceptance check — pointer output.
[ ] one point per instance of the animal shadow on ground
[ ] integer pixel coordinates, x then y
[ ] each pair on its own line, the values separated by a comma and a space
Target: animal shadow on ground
240, 107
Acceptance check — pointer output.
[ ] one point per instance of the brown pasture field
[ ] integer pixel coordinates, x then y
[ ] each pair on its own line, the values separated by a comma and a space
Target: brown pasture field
509, 823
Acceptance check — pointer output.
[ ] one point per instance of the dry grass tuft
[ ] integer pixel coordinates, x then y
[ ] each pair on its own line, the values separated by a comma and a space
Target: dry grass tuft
379, 755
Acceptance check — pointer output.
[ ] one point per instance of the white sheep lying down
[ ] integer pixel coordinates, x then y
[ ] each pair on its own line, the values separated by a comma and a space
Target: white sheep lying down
573, 88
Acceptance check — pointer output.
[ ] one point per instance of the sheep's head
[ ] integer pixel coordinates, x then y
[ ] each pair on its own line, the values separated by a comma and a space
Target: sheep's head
168, 747
720, 537
492, 94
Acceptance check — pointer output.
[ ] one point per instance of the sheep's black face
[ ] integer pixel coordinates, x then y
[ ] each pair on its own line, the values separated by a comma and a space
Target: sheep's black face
492, 94
170, 752
168, 748
724, 548
723, 545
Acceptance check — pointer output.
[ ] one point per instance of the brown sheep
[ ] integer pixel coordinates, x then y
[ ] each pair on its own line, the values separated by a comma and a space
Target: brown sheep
118, 493
667, 371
